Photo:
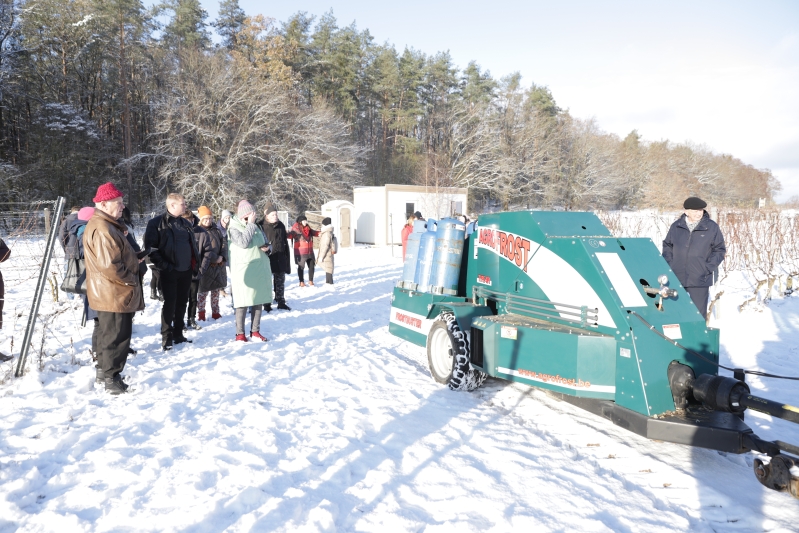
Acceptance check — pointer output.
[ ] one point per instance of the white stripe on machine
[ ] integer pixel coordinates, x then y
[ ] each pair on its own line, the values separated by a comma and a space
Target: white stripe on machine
620, 278
574, 384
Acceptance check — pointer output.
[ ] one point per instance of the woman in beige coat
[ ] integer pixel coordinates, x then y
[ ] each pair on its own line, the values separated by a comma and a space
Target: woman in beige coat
325, 255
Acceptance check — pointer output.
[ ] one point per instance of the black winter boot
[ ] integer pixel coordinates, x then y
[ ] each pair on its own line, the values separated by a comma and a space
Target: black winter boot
268, 308
115, 385
282, 305
166, 342
192, 324
153, 294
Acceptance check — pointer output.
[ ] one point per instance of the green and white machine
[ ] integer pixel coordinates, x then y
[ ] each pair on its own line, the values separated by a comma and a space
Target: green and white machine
553, 300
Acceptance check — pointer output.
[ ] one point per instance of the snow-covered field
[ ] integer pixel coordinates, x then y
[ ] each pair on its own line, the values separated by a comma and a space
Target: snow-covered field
335, 425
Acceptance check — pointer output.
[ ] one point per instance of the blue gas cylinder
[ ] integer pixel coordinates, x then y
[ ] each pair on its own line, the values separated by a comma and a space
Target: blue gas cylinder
447, 257
424, 262
411, 255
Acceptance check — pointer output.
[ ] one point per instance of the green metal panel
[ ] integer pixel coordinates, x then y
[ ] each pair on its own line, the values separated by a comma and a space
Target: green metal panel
571, 360
570, 224
413, 313
464, 312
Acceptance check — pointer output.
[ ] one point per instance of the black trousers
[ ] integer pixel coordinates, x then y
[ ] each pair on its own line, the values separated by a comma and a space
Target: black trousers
193, 288
113, 340
301, 267
699, 295
175, 287
280, 286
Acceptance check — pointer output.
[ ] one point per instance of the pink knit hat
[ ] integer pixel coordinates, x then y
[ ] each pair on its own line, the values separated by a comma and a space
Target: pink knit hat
244, 209
107, 191
85, 213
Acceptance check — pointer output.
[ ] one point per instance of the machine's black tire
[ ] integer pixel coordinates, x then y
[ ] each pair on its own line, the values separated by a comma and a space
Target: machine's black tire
461, 375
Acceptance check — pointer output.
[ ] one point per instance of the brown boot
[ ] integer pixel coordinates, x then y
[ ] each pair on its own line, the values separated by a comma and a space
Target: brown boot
310, 283
302, 284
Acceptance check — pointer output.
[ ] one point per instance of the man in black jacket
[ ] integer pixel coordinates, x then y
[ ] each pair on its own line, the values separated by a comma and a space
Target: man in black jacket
694, 249
275, 232
175, 256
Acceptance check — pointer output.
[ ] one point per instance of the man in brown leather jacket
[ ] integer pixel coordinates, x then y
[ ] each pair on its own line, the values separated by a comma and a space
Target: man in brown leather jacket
112, 284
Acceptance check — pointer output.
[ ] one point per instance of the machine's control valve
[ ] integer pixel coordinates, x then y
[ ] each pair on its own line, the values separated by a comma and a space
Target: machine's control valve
665, 292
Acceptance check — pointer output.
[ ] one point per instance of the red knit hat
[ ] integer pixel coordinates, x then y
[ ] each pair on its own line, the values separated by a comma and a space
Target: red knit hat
107, 191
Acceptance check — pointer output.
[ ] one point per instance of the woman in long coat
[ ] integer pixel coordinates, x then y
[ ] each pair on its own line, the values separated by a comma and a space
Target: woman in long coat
250, 272
326, 249
215, 277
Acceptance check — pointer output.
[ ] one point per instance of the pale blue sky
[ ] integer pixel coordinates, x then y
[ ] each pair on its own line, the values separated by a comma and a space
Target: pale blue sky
720, 73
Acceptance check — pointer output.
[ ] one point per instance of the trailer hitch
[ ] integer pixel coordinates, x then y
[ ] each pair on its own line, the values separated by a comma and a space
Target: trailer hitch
777, 471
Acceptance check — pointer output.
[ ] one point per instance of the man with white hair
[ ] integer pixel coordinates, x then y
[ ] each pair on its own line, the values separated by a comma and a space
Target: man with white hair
175, 255
694, 248
112, 284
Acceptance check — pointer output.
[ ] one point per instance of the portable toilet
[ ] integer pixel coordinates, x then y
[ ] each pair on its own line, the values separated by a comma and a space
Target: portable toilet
341, 215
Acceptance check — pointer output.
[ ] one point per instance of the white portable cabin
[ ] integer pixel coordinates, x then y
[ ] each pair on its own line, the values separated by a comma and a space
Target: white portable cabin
341, 213
380, 211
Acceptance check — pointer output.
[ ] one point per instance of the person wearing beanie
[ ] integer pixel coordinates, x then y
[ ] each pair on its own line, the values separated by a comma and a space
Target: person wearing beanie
302, 235
694, 248
224, 221
250, 270
277, 235
215, 277
326, 249
113, 287
204, 247
176, 257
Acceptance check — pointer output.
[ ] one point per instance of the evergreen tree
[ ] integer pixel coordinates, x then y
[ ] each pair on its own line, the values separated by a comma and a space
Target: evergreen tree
187, 28
229, 22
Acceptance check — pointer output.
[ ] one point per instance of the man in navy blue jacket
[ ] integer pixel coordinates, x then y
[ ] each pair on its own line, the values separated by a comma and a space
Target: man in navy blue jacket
694, 249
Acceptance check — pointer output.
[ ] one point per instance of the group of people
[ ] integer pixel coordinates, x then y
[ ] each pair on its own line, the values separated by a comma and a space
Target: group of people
189, 256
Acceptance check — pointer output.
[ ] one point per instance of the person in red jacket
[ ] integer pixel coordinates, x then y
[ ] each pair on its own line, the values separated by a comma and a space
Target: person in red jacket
302, 235
406, 231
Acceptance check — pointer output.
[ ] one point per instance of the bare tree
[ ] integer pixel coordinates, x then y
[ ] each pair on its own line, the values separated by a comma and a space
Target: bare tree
225, 132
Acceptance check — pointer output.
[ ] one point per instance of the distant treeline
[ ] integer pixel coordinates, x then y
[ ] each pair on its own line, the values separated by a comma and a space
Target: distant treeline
299, 112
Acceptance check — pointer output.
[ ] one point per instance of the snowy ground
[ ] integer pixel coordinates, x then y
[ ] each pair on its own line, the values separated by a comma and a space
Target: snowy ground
335, 425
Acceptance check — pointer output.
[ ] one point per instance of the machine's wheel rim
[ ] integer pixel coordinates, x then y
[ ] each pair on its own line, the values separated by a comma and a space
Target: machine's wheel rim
441, 352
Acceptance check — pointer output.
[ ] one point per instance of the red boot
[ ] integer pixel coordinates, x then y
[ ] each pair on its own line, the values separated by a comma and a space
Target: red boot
216, 316
201, 315
241, 337
257, 335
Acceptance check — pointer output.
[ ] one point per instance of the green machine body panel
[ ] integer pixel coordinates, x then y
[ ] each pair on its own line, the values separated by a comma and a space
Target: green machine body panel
552, 299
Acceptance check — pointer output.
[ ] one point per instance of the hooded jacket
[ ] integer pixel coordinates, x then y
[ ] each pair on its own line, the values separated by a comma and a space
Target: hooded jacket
326, 248
250, 272
694, 255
